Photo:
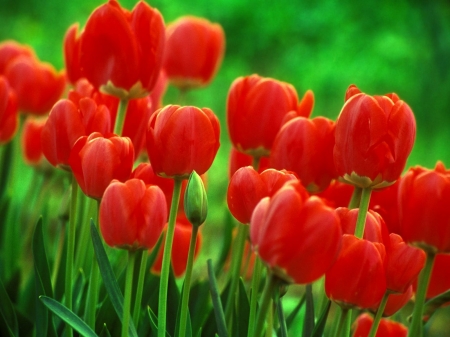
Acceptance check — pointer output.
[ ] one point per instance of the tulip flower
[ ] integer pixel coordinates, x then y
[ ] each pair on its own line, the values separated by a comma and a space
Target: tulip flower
357, 278
305, 146
9, 50
298, 237
387, 328
38, 86
423, 215
31, 140
193, 52
374, 136
238, 159
72, 54
396, 301
120, 52
182, 237
439, 280
385, 202
337, 194
66, 123
96, 160
9, 119
181, 140
256, 108
132, 214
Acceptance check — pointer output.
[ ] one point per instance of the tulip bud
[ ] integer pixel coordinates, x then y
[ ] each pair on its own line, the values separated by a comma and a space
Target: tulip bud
195, 200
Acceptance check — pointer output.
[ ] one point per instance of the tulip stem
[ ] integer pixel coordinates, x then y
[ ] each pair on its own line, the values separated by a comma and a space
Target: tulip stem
236, 262
356, 198
165, 268
70, 249
415, 329
362, 213
120, 118
377, 319
271, 283
140, 288
187, 283
256, 161
256, 279
128, 291
92, 295
344, 323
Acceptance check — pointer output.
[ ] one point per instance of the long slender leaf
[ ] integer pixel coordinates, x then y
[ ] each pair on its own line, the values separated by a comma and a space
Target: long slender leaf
109, 279
243, 311
68, 316
217, 302
199, 302
320, 326
309, 319
435, 303
43, 285
7, 312
154, 323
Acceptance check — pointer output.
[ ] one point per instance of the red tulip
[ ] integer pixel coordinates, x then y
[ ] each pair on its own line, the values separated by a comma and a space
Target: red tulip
256, 108
305, 146
374, 136
423, 208
396, 301
387, 328
194, 51
357, 278
132, 214
66, 123
181, 140
439, 280
96, 161
72, 54
337, 194
120, 51
403, 264
9, 50
31, 140
181, 241
385, 202
375, 229
239, 159
298, 237
9, 119
38, 86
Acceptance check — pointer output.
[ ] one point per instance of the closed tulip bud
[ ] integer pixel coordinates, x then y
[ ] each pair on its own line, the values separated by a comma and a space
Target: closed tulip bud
387, 328
132, 215
195, 200
121, 51
374, 136
97, 160
182, 139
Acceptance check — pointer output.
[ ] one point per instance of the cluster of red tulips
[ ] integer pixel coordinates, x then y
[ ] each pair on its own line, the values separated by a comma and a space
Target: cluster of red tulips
300, 189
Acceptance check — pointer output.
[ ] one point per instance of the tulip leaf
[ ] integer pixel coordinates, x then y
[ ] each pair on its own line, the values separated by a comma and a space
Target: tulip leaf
154, 323
320, 326
109, 279
435, 303
199, 302
104, 332
290, 319
43, 284
7, 313
242, 312
217, 302
308, 322
68, 316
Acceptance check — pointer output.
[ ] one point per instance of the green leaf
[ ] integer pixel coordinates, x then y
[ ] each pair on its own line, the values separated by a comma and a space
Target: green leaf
217, 302
199, 302
7, 312
109, 279
188, 332
154, 323
309, 319
290, 319
243, 311
435, 303
68, 316
104, 332
43, 285
320, 326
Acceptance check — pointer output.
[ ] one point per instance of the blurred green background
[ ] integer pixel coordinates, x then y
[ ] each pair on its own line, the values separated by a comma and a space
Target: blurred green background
381, 46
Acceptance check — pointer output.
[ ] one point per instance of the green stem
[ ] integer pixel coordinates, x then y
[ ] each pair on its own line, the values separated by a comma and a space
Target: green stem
379, 315
255, 163
256, 279
182, 93
343, 329
362, 214
140, 288
70, 249
187, 283
236, 261
85, 243
415, 329
165, 268
271, 283
92, 295
120, 118
356, 198
280, 313
128, 291
308, 325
